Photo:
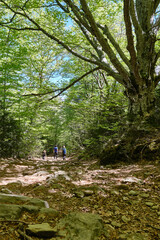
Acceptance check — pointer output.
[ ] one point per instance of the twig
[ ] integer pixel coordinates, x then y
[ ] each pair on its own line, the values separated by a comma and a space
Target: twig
24, 235
15, 221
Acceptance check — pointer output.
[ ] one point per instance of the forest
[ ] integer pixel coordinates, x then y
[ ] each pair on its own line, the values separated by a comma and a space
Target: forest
84, 74
78, 75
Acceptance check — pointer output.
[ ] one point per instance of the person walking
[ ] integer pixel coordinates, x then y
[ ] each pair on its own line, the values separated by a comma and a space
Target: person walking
64, 152
55, 151
44, 155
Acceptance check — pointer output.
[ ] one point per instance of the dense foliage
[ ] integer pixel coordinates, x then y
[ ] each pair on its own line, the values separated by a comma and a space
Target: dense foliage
70, 72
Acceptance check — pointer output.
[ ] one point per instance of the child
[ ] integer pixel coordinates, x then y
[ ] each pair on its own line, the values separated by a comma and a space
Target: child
44, 154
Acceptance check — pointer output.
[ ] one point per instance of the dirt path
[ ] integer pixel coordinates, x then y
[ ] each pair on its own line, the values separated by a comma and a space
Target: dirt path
126, 197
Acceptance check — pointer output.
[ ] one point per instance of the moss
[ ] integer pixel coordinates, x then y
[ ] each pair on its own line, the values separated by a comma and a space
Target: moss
139, 145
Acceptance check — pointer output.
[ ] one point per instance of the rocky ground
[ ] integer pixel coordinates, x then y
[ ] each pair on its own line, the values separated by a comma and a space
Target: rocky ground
126, 197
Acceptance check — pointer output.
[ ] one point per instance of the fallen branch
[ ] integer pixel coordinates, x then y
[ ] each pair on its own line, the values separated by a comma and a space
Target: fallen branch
18, 221
24, 235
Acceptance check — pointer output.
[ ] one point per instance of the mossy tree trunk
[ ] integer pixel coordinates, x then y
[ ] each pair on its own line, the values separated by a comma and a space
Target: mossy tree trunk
141, 103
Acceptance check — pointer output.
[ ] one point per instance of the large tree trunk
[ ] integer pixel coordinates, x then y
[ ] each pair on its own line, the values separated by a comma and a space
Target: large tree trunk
141, 104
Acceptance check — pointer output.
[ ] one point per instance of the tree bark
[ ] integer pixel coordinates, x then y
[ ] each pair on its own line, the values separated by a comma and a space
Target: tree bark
141, 104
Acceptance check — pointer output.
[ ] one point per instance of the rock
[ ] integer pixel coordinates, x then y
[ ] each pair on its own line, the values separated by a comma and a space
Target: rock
58, 175
62, 174
79, 194
48, 213
15, 184
132, 236
88, 192
144, 195
40, 230
125, 198
116, 208
125, 219
41, 173
109, 214
110, 232
30, 208
80, 226
6, 190
122, 187
131, 179
149, 204
155, 207
18, 199
115, 224
10, 212
114, 192
56, 186
133, 193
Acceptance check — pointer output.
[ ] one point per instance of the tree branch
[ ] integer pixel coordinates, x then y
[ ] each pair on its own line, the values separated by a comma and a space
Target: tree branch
156, 3
81, 18
157, 80
157, 24
39, 28
42, 94
137, 26
24, 5
85, 28
130, 41
157, 57
62, 7
62, 89
77, 80
115, 44
103, 41
103, 65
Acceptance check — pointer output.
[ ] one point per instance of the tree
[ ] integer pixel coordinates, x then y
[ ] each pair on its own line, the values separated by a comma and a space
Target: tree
89, 36
10, 87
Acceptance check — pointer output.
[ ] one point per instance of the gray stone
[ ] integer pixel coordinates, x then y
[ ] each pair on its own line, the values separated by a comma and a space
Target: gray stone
80, 226
40, 230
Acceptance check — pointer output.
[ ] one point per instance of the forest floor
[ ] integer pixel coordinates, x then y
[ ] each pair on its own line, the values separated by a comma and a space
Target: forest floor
127, 197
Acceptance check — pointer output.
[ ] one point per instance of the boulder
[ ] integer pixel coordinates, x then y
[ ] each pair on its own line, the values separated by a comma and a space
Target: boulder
40, 230
80, 226
48, 213
18, 199
10, 212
